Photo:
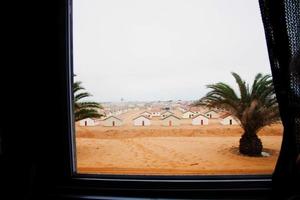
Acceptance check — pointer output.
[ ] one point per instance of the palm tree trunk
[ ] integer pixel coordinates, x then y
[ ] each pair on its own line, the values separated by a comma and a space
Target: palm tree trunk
250, 144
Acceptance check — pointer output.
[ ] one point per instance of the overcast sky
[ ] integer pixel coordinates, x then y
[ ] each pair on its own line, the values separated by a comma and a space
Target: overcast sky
165, 49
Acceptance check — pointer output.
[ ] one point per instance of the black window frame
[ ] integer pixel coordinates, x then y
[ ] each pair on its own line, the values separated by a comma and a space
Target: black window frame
63, 182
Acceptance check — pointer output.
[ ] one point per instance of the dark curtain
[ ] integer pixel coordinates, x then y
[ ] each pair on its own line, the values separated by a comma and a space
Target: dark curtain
282, 28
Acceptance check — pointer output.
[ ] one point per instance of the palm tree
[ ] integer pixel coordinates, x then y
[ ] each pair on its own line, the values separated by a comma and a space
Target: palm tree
255, 108
84, 109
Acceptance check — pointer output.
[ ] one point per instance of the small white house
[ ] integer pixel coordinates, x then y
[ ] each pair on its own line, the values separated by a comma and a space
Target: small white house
182, 109
155, 112
171, 120
229, 120
188, 115
112, 121
107, 113
87, 122
141, 121
200, 120
167, 113
196, 110
146, 114
211, 114
118, 112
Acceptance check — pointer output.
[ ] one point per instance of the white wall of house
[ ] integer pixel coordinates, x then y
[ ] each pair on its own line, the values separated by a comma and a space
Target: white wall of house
171, 121
119, 112
229, 120
147, 114
197, 112
103, 117
188, 115
200, 120
165, 114
87, 122
112, 121
108, 113
155, 114
98, 121
212, 114
141, 121
181, 109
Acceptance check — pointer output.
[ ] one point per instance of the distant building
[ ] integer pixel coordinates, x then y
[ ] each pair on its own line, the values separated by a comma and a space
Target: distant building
155, 112
141, 121
196, 110
112, 121
200, 120
107, 113
212, 114
182, 109
146, 114
188, 115
229, 119
131, 106
167, 108
171, 120
167, 113
101, 112
87, 122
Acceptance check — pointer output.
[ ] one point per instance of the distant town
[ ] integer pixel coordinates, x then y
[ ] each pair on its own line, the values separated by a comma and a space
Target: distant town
181, 136
158, 113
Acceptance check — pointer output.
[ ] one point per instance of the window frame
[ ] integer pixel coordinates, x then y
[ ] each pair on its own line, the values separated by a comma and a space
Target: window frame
67, 181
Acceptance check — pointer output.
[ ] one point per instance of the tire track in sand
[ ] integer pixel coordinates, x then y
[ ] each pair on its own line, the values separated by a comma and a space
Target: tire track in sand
157, 155
150, 157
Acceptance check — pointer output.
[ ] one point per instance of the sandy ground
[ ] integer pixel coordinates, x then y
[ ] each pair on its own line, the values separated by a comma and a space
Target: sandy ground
180, 150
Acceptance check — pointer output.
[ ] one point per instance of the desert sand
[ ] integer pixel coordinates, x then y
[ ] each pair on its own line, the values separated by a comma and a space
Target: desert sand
183, 150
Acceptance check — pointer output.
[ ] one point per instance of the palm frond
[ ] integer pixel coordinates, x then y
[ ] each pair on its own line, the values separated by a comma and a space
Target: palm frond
89, 104
254, 85
81, 96
242, 87
84, 109
255, 108
86, 113
77, 86
221, 95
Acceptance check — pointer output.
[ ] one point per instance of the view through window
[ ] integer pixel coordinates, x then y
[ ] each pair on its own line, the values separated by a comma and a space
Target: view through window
173, 87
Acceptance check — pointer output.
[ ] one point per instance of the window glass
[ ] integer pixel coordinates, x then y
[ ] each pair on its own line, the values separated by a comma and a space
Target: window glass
173, 87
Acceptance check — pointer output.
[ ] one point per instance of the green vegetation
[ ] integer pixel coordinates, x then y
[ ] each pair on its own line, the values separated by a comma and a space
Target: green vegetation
255, 108
84, 109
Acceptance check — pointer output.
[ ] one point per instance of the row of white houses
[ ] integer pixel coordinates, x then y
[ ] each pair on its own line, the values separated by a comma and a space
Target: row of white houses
168, 120
211, 114
158, 112
172, 120
109, 121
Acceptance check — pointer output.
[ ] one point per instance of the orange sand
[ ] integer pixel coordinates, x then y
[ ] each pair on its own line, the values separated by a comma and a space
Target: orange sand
180, 150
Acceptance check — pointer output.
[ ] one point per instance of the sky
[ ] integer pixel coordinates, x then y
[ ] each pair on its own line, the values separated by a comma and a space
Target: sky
147, 50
